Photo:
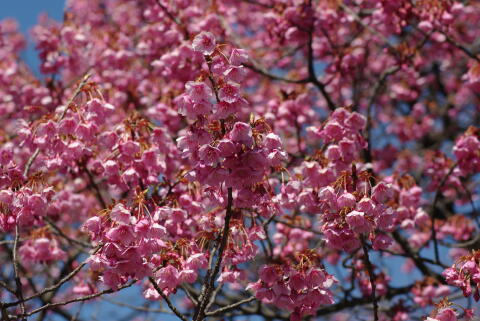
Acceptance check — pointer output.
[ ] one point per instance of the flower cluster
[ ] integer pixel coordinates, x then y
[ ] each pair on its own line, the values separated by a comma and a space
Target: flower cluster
42, 250
346, 216
223, 151
24, 206
342, 134
427, 290
132, 246
467, 151
465, 272
300, 291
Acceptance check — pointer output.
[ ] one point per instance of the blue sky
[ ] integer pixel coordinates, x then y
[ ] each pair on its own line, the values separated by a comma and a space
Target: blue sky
26, 12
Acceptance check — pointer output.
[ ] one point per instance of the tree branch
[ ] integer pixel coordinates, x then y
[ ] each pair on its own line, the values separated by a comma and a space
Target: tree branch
169, 303
210, 279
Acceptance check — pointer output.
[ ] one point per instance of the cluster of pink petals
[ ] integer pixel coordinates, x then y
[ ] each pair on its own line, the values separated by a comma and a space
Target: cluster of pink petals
426, 292
467, 151
345, 217
299, 291
342, 134
233, 155
444, 314
41, 250
24, 206
465, 273
132, 247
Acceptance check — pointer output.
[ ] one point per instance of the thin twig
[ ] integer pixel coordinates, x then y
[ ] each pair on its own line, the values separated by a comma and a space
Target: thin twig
6, 287
67, 107
169, 303
265, 73
470, 244
134, 307
432, 215
55, 286
411, 253
357, 18
467, 51
372, 278
259, 4
214, 296
75, 94
63, 235
95, 187
230, 307
30, 162
371, 101
472, 204
175, 20
80, 299
298, 227
189, 294
311, 73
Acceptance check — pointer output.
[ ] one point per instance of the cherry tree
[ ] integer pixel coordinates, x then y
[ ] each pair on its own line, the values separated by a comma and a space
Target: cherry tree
243, 160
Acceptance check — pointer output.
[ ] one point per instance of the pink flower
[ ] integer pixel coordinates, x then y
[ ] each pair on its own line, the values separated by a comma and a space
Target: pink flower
382, 192
197, 261
272, 141
276, 158
208, 154
328, 196
230, 92
268, 274
346, 200
204, 43
226, 148
446, 314
120, 214
381, 242
469, 314
122, 234
356, 121
131, 176
366, 205
198, 91
111, 168
67, 126
129, 148
188, 276
298, 282
94, 226
358, 222
168, 277
425, 26
242, 134
333, 131
238, 57
333, 152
